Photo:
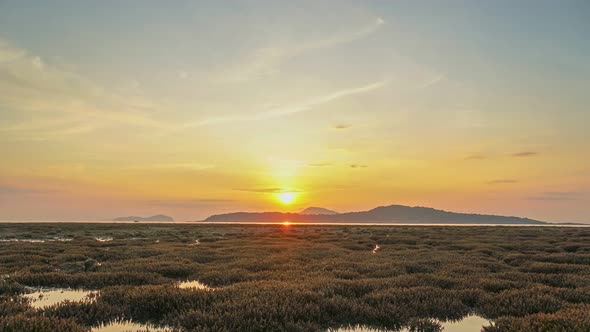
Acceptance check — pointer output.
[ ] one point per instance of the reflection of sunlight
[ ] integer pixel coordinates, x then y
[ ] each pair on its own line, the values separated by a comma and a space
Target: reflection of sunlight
286, 223
469, 323
47, 297
126, 325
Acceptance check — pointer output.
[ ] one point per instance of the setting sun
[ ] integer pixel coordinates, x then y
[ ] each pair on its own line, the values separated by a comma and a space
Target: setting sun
286, 197
331, 166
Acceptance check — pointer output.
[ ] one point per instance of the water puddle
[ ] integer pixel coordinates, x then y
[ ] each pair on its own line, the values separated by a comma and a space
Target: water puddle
359, 328
46, 297
377, 247
468, 324
128, 326
194, 284
104, 239
23, 240
59, 239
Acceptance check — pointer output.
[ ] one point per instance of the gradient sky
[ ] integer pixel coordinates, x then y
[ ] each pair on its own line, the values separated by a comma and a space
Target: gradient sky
188, 108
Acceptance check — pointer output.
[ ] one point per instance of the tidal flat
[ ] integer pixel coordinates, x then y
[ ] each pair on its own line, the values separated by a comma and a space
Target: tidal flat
294, 277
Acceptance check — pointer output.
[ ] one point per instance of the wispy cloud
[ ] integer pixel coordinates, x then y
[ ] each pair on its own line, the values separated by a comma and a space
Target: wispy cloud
525, 154
58, 101
434, 80
189, 204
563, 193
556, 196
174, 166
274, 190
41, 128
358, 166
502, 181
548, 198
475, 157
8, 189
342, 126
267, 60
319, 164
293, 108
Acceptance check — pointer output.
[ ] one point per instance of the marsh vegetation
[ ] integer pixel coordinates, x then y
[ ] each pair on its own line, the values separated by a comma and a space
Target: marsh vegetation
296, 278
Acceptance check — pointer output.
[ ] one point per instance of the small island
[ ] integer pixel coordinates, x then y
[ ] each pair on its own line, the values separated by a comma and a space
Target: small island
158, 217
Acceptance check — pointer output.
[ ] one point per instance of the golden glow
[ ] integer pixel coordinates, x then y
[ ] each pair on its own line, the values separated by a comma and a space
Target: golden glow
286, 197
286, 223
262, 133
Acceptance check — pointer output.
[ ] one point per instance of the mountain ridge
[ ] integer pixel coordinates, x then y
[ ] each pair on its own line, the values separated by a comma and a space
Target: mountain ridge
382, 214
317, 210
157, 217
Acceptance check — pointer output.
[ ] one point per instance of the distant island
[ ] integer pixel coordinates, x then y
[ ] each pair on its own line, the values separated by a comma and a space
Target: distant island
158, 217
382, 214
317, 210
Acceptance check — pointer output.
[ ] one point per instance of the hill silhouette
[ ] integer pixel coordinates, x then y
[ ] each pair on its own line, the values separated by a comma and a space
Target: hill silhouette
317, 210
158, 217
382, 214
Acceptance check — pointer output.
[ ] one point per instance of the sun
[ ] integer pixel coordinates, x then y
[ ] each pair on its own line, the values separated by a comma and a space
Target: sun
286, 197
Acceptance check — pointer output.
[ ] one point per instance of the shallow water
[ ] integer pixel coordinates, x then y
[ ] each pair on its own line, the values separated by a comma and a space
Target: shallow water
47, 297
37, 240
127, 326
377, 247
293, 223
359, 328
23, 240
467, 324
193, 284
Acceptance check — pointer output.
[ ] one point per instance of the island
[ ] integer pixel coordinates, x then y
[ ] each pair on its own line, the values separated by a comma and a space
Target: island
158, 217
382, 214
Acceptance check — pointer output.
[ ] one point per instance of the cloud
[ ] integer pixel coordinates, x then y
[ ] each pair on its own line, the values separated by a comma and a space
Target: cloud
188, 204
556, 196
525, 154
293, 108
305, 106
434, 80
319, 164
56, 101
358, 166
502, 181
345, 38
563, 193
475, 157
342, 126
267, 60
7, 189
548, 198
275, 190
45, 128
175, 166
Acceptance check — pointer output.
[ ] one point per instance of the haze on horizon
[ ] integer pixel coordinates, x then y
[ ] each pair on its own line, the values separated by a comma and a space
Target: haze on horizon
116, 108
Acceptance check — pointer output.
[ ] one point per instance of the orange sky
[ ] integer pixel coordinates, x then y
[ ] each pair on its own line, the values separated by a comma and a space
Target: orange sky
203, 108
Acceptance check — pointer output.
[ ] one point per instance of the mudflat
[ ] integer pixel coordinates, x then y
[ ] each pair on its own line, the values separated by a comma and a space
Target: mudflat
294, 277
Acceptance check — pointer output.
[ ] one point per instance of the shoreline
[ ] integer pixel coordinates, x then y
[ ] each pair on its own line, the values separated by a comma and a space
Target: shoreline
569, 225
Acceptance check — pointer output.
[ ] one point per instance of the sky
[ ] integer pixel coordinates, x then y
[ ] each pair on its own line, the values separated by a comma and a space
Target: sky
191, 108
